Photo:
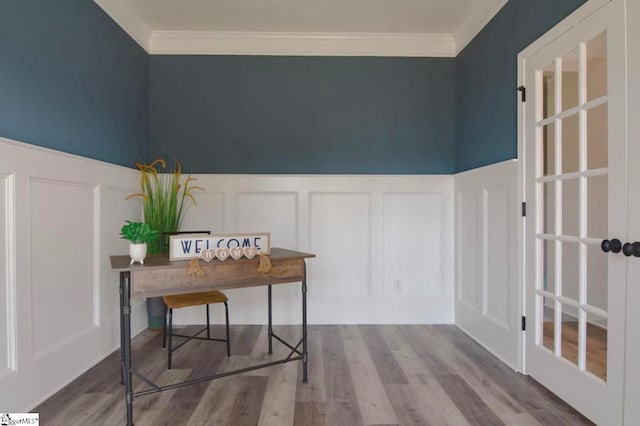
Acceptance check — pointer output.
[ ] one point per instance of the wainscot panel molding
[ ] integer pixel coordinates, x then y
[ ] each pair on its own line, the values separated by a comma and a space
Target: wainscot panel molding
7, 278
384, 245
60, 216
486, 301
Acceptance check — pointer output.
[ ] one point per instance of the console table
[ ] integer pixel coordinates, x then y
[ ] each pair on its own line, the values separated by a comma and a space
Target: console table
159, 277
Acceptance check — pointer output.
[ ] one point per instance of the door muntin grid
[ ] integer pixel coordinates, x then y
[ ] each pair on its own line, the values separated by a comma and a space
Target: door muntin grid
571, 170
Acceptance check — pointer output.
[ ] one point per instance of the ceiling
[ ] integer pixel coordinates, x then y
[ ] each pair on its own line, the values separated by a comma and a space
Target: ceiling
341, 27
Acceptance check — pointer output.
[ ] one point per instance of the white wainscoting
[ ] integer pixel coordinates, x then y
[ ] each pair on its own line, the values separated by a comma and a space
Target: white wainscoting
7, 292
384, 245
59, 220
486, 257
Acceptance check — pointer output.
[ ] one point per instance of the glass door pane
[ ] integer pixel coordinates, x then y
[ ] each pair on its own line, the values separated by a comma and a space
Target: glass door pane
574, 124
572, 201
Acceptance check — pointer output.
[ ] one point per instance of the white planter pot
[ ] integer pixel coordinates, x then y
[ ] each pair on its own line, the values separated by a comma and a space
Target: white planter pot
137, 252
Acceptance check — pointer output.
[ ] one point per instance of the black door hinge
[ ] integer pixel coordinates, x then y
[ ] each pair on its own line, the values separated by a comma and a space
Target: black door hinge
524, 209
523, 93
524, 323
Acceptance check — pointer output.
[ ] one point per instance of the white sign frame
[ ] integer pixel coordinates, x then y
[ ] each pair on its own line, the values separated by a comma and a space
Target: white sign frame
190, 246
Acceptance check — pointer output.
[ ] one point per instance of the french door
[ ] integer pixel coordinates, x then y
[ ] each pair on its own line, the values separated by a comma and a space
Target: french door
575, 147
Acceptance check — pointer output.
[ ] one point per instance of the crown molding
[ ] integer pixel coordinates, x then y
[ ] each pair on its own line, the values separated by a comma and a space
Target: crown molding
300, 44
292, 43
470, 30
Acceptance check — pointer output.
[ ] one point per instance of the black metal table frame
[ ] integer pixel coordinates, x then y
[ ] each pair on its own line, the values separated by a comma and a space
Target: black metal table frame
125, 347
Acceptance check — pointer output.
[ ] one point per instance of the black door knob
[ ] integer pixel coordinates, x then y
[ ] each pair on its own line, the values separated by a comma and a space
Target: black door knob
613, 246
631, 249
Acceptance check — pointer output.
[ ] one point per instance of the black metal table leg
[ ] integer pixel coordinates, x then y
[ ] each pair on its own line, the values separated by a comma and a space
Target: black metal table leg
127, 372
304, 325
121, 332
125, 328
270, 327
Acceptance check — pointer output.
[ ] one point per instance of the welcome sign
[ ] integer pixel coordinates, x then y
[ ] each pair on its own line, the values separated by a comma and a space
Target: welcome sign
208, 247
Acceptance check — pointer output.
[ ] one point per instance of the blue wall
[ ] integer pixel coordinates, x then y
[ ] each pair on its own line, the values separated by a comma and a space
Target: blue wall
265, 114
71, 79
486, 80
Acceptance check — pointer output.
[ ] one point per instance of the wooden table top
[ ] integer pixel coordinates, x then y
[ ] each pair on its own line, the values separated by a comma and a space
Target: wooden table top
161, 277
161, 261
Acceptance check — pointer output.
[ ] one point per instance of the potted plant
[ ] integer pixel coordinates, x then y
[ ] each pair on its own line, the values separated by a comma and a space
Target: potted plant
139, 234
166, 195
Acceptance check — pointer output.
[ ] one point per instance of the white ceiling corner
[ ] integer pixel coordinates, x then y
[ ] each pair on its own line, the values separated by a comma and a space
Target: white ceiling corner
422, 28
471, 27
131, 22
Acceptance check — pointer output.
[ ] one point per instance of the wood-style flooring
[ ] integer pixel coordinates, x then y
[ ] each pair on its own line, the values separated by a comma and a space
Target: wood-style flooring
596, 358
358, 375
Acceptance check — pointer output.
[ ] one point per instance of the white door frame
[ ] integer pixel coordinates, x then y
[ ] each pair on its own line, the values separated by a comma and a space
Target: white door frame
562, 27
632, 366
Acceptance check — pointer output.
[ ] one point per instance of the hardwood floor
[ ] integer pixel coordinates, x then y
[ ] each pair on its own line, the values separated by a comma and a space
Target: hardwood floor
596, 358
358, 375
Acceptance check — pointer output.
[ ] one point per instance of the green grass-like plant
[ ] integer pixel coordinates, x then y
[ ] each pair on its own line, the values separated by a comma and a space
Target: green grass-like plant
166, 195
138, 232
